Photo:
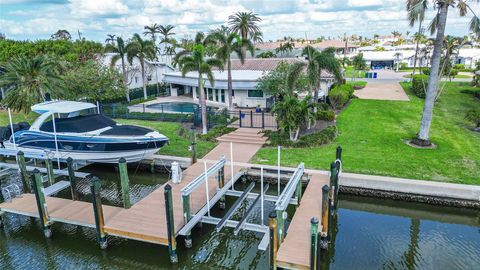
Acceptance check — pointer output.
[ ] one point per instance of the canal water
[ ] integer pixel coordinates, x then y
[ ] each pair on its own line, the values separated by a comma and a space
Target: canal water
370, 234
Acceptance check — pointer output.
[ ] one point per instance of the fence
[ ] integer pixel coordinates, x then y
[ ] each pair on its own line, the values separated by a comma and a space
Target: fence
215, 117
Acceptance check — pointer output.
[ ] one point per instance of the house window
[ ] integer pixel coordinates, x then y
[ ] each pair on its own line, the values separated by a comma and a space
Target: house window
210, 94
255, 93
136, 79
222, 93
217, 98
233, 93
149, 78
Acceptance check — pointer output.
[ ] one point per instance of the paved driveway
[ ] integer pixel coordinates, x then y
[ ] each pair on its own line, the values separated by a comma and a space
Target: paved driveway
385, 87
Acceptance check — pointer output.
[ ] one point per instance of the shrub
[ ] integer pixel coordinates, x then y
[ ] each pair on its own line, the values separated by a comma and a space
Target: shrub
473, 116
340, 95
322, 137
426, 71
419, 83
215, 132
459, 66
327, 115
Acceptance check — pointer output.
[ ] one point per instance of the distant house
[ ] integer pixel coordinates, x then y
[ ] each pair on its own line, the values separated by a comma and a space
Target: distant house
468, 57
339, 46
389, 59
245, 78
154, 71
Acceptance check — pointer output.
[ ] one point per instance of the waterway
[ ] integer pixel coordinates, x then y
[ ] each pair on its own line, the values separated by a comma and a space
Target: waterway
370, 234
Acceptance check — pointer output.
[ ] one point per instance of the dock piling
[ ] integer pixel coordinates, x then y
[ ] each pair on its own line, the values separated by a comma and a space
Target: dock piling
324, 239
124, 182
333, 188
1, 219
72, 179
172, 244
272, 224
339, 153
50, 174
186, 218
298, 192
313, 242
193, 146
221, 184
98, 212
41, 203
280, 226
22, 165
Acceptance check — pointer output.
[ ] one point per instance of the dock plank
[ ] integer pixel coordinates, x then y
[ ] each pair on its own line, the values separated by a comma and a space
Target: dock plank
294, 252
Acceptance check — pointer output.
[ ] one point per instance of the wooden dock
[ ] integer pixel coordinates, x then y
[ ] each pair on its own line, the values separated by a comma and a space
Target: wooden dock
61, 210
150, 211
294, 252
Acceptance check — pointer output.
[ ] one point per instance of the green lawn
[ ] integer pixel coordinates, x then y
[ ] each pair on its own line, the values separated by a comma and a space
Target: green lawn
372, 134
351, 73
461, 76
178, 145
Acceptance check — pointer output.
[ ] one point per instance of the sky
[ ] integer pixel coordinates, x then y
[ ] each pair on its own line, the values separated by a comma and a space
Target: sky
38, 19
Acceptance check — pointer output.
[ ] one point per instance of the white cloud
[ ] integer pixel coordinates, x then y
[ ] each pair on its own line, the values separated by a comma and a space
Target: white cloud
87, 8
364, 3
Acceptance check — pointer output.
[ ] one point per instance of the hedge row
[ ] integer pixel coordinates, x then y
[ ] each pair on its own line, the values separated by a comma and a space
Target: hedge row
322, 137
340, 95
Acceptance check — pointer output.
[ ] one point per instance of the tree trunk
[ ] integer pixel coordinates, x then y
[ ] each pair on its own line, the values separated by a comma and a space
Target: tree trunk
125, 78
203, 104
423, 137
142, 64
229, 84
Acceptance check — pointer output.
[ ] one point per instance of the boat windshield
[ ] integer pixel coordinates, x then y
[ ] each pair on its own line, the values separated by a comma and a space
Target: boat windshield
78, 124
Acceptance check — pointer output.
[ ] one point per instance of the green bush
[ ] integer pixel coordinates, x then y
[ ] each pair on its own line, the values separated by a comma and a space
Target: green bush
340, 94
459, 66
419, 83
311, 140
215, 132
426, 71
473, 116
328, 115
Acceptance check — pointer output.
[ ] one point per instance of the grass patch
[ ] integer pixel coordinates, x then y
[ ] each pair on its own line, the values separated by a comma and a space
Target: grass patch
461, 76
178, 144
351, 73
371, 133
17, 117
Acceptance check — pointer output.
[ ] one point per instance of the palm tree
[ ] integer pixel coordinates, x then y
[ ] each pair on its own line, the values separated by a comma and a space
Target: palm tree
292, 113
29, 79
437, 25
228, 43
245, 24
326, 61
285, 48
140, 49
396, 34
110, 39
121, 51
195, 60
418, 15
166, 32
151, 31
61, 34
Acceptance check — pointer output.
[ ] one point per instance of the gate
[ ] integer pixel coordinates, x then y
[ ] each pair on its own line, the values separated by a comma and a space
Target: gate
251, 119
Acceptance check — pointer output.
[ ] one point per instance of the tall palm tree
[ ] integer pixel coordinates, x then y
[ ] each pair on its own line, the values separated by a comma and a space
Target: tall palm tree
195, 60
140, 49
29, 79
110, 39
396, 34
152, 31
326, 61
244, 24
166, 32
120, 52
437, 26
228, 43
313, 71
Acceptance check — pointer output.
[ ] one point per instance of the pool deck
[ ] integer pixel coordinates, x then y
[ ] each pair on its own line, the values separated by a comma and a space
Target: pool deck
169, 99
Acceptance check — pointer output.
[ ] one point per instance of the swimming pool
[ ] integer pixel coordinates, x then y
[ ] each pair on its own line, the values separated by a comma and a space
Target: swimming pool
177, 107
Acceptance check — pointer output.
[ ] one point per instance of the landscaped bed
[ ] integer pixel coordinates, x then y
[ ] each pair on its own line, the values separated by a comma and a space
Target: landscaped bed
372, 134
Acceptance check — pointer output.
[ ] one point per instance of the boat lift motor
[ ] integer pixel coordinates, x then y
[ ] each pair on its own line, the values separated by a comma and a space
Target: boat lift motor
176, 173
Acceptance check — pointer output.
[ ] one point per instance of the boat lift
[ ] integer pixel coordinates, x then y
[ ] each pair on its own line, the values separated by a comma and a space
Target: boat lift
203, 215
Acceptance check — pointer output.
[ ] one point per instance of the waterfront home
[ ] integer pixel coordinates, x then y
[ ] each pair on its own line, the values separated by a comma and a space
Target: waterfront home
468, 57
244, 83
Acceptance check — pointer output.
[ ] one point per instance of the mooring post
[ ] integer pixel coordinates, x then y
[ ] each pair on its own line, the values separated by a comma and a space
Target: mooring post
1, 218
325, 217
280, 226
98, 212
221, 184
298, 192
72, 179
22, 165
124, 182
240, 117
49, 167
263, 119
41, 203
339, 153
313, 242
172, 244
152, 166
272, 224
187, 215
336, 185
333, 176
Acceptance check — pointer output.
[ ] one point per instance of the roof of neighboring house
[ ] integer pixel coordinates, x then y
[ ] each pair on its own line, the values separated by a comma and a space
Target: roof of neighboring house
469, 53
339, 44
268, 64
237, 75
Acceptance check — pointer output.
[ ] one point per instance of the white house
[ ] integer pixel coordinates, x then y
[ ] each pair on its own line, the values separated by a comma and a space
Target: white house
468, 57
154, 71
389, 59
244, 83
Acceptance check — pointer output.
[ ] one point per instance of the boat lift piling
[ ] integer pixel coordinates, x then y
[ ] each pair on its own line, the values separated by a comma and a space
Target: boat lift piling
98, 212
124, 182
72, 179
22, 166
41, 203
